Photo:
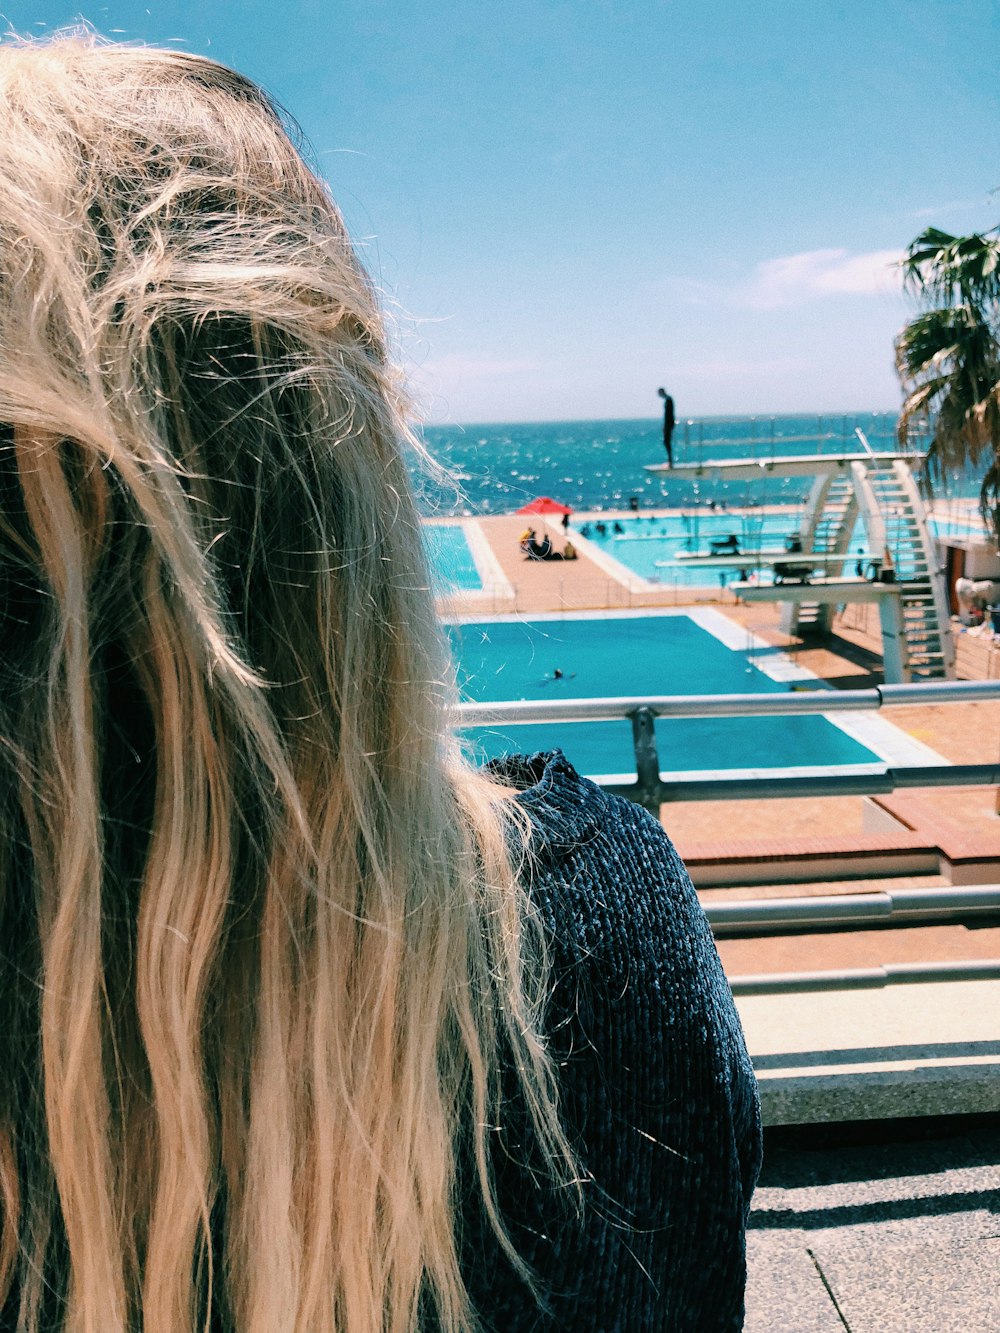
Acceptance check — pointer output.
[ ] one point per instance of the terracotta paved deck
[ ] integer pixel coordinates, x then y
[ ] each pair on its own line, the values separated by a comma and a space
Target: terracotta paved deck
559, 585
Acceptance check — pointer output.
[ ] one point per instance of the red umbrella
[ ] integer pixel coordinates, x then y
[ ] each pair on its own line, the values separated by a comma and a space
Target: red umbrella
545, 505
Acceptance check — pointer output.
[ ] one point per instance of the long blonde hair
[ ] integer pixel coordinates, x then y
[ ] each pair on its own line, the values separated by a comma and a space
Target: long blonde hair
263, 952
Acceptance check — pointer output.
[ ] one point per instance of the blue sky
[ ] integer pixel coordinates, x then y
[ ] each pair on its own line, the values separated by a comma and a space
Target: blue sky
568, 204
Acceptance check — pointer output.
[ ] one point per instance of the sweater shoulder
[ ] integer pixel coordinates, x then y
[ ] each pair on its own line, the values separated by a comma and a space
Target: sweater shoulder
609, 885
656, 1089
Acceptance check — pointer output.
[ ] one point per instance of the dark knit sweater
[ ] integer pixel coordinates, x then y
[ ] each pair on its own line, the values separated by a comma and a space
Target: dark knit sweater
656, 1088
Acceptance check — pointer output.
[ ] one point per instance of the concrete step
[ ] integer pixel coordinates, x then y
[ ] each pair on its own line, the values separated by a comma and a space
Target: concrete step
875, 1052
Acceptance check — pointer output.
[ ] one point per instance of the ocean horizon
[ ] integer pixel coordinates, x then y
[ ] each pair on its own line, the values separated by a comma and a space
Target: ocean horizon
597, 465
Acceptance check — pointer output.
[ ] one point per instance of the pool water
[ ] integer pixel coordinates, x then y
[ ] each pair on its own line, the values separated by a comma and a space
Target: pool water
650, 546
634, 655
451, 560
969, 529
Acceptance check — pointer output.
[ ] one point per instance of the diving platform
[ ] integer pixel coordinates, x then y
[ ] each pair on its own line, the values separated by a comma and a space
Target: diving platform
770, 559
788, 465
868, 496
828, 591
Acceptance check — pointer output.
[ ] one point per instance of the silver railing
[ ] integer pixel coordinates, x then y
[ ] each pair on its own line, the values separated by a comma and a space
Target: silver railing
894, 907
865, 978
897, 907
651, 789
764, 435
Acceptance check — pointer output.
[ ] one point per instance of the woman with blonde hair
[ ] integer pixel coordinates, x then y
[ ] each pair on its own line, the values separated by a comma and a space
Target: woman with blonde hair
307, 1025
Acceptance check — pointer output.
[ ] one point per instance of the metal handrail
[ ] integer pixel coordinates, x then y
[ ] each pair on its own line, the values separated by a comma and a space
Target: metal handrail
781, 787
820, 700
885, 907
651, 790
865, 978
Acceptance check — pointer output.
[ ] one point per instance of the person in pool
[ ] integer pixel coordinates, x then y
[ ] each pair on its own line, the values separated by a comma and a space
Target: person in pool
308, 1024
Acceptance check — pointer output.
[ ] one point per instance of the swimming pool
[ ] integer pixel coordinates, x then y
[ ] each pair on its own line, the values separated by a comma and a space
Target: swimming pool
653, 547
964, 529
649, 546
628, 654
451, 560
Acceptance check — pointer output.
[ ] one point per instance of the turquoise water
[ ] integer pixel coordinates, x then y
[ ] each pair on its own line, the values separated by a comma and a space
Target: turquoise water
601, 464
964, 530
650, 546
634, 655
452, 564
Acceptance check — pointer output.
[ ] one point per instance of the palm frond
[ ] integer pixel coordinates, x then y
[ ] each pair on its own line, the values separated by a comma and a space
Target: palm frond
948, 357
946, 270
939, 335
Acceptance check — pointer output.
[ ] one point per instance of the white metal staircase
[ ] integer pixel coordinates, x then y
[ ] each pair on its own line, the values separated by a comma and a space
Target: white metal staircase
878, 489
831, 513
926, 625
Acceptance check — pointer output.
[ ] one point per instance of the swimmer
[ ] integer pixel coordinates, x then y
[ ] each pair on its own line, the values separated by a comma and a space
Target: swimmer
558, 674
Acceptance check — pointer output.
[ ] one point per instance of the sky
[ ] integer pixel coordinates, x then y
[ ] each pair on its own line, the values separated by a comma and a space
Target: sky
567, 203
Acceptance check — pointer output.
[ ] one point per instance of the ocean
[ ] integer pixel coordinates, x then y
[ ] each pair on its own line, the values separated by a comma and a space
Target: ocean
594, 465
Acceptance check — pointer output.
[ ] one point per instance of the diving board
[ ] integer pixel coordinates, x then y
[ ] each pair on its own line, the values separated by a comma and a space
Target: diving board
827, 590
768, 559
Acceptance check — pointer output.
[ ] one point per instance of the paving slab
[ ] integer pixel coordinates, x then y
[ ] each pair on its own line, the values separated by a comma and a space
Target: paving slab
846, 1210
785, 1292
960, 1210
920, 1289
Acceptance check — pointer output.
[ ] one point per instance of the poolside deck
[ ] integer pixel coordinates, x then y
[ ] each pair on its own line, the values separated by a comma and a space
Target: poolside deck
532, 586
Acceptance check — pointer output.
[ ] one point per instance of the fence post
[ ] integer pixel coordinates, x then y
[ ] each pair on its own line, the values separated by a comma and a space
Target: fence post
647, 760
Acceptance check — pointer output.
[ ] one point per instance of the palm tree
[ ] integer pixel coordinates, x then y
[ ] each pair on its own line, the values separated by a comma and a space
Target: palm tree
948, 357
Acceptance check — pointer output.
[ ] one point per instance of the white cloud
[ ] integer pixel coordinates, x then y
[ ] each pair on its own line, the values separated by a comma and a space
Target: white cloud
793, 280
796, 279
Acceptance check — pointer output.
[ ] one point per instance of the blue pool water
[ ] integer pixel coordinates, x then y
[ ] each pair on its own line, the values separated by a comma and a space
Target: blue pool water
650, 546
635, 655
452, 565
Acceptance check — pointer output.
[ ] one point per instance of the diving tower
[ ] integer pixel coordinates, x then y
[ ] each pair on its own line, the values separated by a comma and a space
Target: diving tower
907, 574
